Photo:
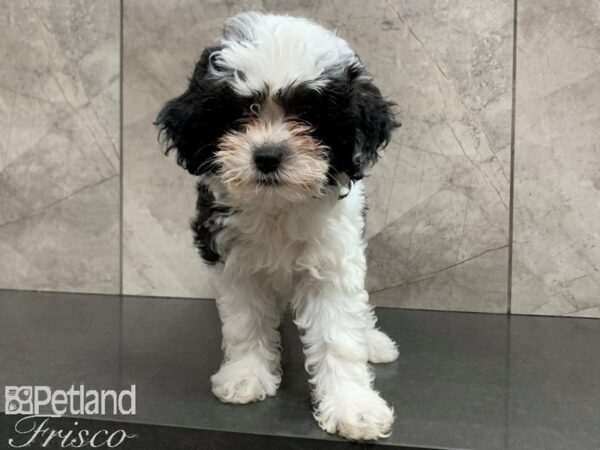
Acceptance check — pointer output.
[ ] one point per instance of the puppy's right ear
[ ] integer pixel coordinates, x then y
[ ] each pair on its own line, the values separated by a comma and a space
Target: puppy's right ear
184, 122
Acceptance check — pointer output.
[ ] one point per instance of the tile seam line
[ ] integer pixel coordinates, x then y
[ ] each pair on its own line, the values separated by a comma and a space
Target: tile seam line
121, 181
512, 164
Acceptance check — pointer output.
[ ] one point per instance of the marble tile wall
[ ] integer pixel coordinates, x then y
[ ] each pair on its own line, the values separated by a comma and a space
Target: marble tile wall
556, 267
59, 152
439, 231
438, 219
159, 197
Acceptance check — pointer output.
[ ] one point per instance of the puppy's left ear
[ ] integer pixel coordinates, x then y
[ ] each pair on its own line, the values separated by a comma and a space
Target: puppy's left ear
375, 123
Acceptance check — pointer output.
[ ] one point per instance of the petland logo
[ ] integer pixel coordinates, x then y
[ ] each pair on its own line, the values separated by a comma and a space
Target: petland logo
40, 404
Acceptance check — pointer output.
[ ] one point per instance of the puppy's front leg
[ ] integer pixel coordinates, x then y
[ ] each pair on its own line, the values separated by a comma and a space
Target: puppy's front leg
335, 322
251, 364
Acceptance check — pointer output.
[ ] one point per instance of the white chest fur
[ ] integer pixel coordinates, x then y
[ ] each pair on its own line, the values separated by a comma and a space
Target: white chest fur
318, 236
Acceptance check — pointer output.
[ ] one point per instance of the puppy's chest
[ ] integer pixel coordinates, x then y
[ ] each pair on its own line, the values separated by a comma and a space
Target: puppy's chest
277, 240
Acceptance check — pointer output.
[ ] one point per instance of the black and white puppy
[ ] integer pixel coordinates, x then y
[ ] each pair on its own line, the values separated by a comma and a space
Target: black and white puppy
279, 122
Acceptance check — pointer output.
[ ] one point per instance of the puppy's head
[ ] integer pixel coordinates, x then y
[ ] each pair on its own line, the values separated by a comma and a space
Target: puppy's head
281, 107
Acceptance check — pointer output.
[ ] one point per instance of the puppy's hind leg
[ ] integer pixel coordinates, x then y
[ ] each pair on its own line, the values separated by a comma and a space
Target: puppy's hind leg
382, 348
251, 365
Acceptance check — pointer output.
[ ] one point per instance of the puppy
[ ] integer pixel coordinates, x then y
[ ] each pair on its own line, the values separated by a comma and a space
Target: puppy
279, 122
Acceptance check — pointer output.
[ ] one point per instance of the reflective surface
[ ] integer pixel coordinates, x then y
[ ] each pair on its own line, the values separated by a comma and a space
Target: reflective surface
462, 380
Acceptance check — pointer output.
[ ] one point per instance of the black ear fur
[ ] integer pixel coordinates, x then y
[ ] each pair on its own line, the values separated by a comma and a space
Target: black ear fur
192, 123
375, 122
174, 122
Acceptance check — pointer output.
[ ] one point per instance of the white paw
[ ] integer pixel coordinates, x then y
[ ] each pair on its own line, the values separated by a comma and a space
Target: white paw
382, 349
244, 382
356, 413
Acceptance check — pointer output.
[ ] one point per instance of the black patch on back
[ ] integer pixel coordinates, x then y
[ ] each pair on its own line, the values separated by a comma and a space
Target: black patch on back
207, 224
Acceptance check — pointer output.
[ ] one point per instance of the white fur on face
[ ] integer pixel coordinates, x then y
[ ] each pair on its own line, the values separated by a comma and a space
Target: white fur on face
268, 53
265, 50
302, 173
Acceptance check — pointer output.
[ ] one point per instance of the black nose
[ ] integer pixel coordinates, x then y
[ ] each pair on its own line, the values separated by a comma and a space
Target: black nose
267, 157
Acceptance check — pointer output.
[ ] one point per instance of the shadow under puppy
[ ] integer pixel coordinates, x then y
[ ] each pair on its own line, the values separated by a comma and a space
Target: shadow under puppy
279, 122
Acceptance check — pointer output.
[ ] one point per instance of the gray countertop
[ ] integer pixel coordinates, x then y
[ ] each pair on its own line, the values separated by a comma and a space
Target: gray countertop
462, 380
